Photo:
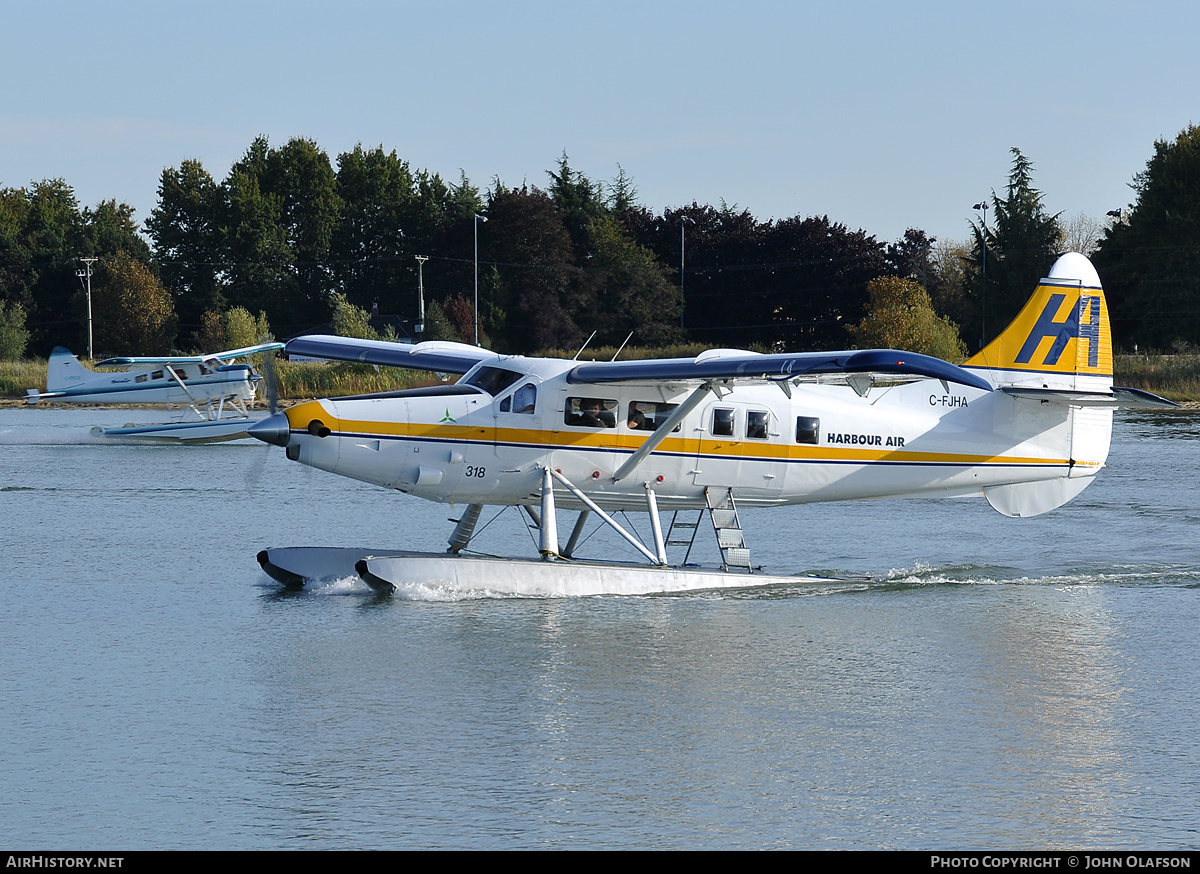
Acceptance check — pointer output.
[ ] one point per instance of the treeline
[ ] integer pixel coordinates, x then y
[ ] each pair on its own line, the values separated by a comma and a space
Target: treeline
290, 239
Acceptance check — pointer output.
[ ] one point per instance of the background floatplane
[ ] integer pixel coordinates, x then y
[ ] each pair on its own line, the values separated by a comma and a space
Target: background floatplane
1025, 424
211, 393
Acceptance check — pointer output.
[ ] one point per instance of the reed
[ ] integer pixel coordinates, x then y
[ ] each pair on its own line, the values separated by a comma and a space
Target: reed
17, 376
309, 379
1173, 376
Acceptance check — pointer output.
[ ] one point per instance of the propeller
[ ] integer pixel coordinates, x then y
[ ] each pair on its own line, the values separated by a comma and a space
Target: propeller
273, 429
272, 379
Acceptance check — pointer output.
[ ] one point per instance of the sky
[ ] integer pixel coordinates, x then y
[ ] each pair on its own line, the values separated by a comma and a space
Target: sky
882, 116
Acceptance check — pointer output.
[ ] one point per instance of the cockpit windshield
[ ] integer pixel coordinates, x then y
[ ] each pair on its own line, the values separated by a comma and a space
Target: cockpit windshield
492, 380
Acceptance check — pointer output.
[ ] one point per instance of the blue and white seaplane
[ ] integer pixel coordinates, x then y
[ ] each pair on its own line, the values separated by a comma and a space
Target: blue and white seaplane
1024, 424
211, 392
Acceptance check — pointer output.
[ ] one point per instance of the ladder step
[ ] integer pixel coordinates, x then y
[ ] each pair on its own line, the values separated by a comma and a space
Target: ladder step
725, 519
730, 537
737, 557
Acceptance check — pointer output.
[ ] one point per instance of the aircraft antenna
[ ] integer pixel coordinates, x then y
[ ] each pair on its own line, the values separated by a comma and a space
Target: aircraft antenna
618, 352
584, 346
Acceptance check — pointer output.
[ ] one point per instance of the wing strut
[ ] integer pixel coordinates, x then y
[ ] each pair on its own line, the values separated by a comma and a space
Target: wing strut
661, 432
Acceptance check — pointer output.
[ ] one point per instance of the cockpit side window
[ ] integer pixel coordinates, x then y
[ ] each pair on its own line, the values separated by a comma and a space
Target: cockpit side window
520, 401
493, 380
524, 398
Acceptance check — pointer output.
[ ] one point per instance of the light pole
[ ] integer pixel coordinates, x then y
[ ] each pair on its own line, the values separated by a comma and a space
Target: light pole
983, 207
420, 329
85, 279
478, 218
684, 221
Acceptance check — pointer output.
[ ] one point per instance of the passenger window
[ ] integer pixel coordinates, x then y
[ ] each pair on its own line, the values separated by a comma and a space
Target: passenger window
158, 374
722, 423
648, 415
591, 413
756, 424
181, 373
141, 377
808, 429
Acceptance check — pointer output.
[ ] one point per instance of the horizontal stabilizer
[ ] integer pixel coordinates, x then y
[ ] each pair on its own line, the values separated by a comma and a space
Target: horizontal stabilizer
1118, 399
777, 367
433, 355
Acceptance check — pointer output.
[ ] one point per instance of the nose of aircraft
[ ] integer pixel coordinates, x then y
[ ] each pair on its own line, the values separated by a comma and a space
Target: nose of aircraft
273, 429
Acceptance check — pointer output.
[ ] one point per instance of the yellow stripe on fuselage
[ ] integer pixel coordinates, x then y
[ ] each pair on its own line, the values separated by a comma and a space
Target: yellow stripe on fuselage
734, 450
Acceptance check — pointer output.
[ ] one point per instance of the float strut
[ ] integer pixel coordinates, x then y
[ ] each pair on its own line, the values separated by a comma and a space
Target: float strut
549, 544
656, 525
595, 508
576, 532
465, 528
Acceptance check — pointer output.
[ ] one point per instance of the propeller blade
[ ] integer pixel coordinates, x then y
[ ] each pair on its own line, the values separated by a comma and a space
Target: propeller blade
268, 366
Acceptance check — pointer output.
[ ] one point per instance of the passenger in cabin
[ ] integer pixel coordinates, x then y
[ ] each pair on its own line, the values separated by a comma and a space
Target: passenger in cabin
637, 420
592, 415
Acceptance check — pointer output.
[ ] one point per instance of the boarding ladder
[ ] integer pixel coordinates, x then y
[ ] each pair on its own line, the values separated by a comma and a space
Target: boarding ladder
682, 532
728, 527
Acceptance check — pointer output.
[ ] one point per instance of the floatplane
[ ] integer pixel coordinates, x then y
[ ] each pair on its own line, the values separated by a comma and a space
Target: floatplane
1025, 424
211, 391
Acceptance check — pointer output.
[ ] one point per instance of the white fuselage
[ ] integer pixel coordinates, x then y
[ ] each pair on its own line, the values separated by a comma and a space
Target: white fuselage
823, 443
156, 385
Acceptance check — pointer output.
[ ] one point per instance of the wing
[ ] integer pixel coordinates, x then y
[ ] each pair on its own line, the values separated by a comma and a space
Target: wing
726, 364
432, 355
191, 359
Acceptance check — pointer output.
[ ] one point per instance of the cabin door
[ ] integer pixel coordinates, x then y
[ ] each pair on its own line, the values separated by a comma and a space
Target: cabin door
740, 447
519, 414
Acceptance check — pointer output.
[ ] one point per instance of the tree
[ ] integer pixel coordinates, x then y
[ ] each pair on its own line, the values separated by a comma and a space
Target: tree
189, 249
1150, 262
628, 290
350, 320
371, 249
240, 329
1019, 250
1081, 233
580, 202
133, 313
900, 316
437, 326
14, 336
531, 250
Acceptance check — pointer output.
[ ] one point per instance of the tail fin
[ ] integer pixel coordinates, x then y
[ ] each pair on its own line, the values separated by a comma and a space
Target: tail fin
65, 371
1060, 340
